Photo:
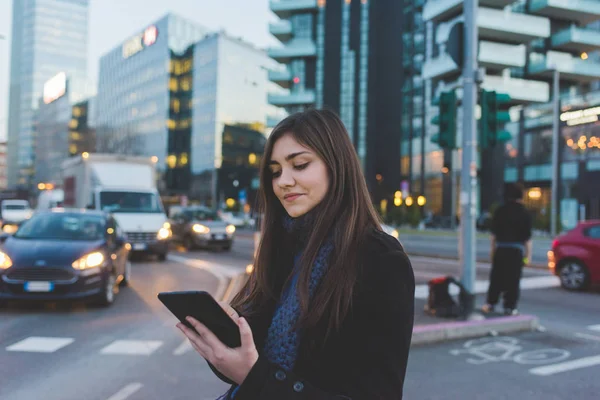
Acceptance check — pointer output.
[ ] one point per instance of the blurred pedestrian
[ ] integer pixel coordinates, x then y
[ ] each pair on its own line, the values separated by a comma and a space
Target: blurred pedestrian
328, 311
510, 250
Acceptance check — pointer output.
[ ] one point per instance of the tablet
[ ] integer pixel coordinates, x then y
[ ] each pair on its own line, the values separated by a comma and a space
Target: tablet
203, 307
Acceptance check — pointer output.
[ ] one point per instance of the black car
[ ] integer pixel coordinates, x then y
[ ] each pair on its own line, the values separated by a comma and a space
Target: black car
201, 227
65, 254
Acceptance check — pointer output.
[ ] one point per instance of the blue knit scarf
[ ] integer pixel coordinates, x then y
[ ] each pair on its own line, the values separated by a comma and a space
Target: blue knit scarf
281, 346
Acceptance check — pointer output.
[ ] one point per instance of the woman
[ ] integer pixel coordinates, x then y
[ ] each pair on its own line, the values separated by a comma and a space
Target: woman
328, 311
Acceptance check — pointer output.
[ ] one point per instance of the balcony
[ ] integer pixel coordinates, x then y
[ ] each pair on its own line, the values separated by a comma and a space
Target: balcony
581, 11
520, 90
281, 77
282, 30
286, 8
306, 97
511, 27
570, 67
294, 49
576, 39
494, 56
500, 56
442, 10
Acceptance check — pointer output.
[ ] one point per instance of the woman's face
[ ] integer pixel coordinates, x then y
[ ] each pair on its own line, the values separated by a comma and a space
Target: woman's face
300, 178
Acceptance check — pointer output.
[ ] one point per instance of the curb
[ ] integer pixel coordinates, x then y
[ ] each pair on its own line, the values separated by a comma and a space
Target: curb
442, 332
481, 260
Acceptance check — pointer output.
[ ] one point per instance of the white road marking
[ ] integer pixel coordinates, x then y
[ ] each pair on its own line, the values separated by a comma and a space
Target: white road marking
37, 344
566, 366
595, 328
126, 391
536, 282
183, 348
132, 347
224, 273
589, 337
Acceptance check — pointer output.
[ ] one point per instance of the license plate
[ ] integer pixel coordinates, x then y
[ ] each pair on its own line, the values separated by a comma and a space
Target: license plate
220, 237
139, 246
39, 286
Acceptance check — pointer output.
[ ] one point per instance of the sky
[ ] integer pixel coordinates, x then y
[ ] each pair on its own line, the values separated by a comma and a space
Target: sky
113, 21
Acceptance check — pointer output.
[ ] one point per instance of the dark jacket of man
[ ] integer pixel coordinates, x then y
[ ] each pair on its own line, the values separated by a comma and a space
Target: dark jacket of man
367, 358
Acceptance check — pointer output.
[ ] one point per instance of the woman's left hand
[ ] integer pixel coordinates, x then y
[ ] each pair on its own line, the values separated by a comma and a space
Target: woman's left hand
233, 363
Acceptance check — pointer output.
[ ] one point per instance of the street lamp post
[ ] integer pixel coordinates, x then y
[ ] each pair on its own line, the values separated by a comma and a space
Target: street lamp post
555, 150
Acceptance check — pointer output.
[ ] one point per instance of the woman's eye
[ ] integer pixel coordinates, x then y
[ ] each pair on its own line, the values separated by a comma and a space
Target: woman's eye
275, 174
301, 166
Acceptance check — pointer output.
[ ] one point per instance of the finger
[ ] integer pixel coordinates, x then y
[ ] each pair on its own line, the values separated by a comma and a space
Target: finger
207, 336
245, 333
196, 341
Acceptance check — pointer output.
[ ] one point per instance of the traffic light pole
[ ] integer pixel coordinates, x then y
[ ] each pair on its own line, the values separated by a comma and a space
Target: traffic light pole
468, 192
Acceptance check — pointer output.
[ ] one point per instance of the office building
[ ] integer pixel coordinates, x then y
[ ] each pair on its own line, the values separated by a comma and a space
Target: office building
3, 156
346, 55
520, 44
48, 37
62, 127
134, 94
170, 90
230, 88
238, 175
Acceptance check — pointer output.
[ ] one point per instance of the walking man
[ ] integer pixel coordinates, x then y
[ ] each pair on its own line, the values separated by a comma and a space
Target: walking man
510, 249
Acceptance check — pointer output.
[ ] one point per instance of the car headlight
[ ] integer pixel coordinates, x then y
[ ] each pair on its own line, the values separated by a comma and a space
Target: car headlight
395, 233
5, 261
230, 229
91, 260
163, 233
167, 225
199, 228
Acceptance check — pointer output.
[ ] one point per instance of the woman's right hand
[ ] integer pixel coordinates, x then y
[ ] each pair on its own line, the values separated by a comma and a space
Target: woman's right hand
230, 311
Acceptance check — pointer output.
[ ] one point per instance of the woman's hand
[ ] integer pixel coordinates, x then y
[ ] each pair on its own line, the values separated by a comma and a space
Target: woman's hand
233, 363
230, 311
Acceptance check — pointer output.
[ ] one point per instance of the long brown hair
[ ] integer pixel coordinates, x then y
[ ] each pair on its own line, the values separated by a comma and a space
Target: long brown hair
346, 214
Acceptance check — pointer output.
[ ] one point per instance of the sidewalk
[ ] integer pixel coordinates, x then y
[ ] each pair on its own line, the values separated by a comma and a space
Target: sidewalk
429, 329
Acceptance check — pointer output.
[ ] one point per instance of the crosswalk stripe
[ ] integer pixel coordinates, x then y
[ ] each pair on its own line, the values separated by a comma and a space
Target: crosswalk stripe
126, 391
481, 286
39, 344
183, 348
132, 347
595, 328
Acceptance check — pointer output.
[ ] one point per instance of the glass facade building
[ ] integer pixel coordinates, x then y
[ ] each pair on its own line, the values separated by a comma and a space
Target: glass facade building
346, 55
62, 128
48, 37
170, 90
134, 88
520, 44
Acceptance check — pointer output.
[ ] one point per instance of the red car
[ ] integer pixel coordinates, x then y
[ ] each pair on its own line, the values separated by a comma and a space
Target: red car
575, 256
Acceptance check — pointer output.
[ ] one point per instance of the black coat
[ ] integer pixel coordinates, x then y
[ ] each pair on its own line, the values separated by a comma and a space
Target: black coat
367, 358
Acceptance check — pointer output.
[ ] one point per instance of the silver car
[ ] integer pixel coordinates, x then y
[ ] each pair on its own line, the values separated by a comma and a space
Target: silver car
201, 227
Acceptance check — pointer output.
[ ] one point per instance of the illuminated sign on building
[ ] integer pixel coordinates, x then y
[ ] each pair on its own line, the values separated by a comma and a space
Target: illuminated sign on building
55, 88
140, 42
581, 117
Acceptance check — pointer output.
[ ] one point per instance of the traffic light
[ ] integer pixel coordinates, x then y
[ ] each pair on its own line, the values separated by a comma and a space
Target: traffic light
494, 114
446, 137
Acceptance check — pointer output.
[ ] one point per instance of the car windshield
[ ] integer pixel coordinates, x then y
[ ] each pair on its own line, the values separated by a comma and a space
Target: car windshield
14, 207
63, 226
204, 215
130, 202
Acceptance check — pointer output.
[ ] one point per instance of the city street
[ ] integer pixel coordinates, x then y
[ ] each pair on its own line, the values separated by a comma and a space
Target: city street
446, 245
133, 351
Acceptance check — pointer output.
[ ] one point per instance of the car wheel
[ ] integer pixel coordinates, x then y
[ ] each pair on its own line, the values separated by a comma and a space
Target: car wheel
127, 275
188, 243
573, 275
107, 297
